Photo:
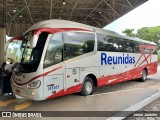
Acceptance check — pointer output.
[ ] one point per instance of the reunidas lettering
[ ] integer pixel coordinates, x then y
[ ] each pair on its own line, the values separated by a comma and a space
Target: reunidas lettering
109, 60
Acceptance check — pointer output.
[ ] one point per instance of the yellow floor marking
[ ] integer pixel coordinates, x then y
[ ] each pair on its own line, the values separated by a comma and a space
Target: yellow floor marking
5, 103
23, 105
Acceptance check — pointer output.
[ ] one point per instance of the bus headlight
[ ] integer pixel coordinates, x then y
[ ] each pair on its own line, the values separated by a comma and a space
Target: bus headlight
34, 84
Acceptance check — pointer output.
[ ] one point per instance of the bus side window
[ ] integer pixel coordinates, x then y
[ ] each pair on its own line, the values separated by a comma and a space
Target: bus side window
136, 47
54, 50
155, 52
125, 45
114, 44
77, 43
107, 43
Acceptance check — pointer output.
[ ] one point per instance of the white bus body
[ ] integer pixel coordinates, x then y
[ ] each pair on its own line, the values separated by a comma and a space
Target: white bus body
62, 57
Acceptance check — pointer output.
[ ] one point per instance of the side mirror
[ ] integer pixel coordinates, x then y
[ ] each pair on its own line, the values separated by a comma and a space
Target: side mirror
33, 41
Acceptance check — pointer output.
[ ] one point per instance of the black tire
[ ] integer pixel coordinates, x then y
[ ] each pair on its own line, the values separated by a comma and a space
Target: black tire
88, 87
144, 76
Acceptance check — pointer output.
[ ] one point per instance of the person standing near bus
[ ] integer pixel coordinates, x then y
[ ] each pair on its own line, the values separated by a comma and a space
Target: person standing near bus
8, 66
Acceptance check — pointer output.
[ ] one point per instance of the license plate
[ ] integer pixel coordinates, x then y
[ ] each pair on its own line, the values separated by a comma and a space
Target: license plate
17, 91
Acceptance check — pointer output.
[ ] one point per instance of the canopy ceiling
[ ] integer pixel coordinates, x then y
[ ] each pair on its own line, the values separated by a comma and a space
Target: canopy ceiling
18, 15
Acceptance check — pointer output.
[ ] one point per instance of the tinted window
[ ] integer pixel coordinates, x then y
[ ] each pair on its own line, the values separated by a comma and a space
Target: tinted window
114, 44
125, 45
77, 43
107, 43
149, 50
54, 50
155, 52
136, 47
139, 48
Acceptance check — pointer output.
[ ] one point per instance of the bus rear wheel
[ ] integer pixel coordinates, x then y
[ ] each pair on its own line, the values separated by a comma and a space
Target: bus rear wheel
88, 87
144, 76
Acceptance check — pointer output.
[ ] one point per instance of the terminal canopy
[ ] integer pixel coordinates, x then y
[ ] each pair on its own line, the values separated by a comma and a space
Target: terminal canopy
18, 15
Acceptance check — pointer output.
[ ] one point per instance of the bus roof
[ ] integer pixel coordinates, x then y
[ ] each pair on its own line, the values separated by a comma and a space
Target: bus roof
56, 23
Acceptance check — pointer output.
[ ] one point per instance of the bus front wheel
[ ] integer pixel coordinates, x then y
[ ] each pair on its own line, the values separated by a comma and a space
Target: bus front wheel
88, 86
144, 76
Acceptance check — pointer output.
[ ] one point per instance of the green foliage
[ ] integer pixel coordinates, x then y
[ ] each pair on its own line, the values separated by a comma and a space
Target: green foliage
12, 49
129, 32
149, 33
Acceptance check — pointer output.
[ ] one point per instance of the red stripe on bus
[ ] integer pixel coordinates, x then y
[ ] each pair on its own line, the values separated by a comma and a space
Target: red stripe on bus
111, 79
128, 75
143, 48
38, 76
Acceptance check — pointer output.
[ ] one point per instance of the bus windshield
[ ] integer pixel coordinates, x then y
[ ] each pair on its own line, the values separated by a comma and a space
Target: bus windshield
29, 58
29, 55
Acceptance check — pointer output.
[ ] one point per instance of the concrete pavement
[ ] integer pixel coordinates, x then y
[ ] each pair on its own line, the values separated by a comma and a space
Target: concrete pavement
113, 101
109, 98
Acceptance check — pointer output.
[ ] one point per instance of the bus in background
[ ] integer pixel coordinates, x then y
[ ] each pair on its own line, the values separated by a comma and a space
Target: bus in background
13, 46
60, 57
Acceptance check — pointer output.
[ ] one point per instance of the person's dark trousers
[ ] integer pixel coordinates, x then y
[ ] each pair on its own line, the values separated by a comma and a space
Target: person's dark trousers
7, 84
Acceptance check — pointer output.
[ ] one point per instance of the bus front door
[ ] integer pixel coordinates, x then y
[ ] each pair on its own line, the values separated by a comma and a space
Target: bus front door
53, 82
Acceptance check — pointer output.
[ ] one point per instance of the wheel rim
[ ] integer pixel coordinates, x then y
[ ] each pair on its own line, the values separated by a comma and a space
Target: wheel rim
144, 75
88, 87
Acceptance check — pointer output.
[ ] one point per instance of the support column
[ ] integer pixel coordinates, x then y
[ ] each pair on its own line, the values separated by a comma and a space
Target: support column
2, 45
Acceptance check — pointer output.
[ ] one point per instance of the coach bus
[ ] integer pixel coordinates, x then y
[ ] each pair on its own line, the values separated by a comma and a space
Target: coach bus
60, 57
